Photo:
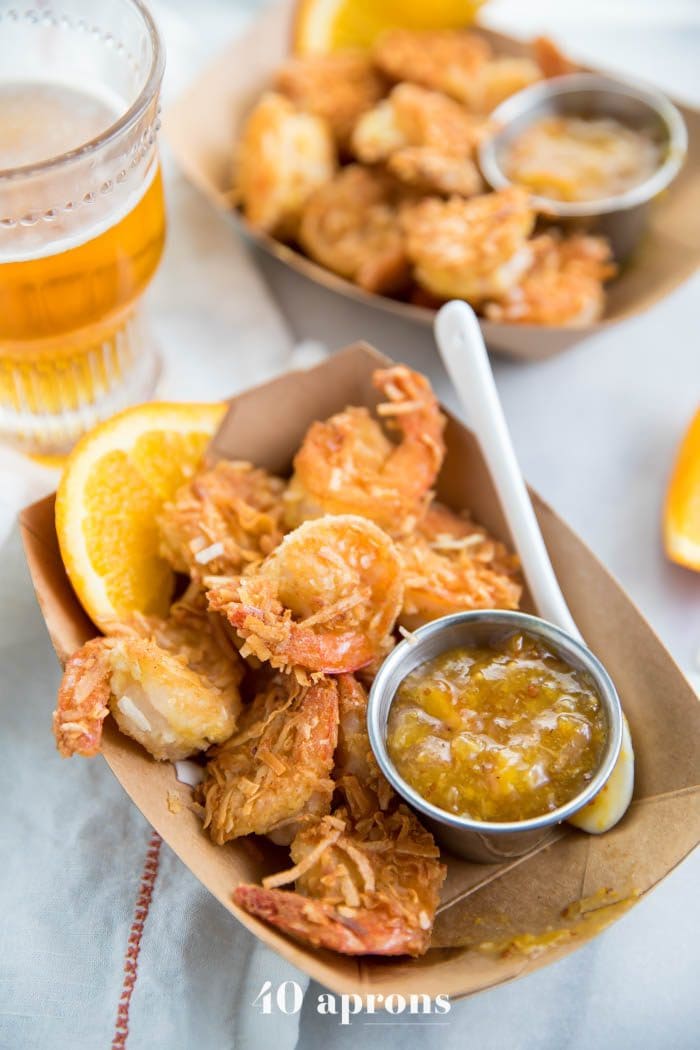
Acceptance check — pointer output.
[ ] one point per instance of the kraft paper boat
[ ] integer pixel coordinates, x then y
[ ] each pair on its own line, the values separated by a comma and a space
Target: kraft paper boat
496, 922
202, 127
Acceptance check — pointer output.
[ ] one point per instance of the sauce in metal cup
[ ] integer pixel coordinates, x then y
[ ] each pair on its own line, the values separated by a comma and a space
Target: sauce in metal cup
623, 217
472, 839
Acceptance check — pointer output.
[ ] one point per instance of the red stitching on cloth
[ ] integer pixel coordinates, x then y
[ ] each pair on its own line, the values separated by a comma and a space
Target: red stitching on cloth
131, 959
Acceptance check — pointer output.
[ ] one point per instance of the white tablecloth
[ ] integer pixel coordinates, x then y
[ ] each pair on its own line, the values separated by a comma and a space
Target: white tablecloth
595, 431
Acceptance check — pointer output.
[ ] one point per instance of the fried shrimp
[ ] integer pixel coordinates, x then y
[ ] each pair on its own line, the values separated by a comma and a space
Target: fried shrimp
195, 634
347, 464
324, 601
275, 772
355, 771
563, 286
369, 887
431, 171
339, 87
351, 226
426, 139
446, 60
550, 59
154, 696
283, 156
170, 684
222, 520
455, 62
450, 565
470, 249
496, 81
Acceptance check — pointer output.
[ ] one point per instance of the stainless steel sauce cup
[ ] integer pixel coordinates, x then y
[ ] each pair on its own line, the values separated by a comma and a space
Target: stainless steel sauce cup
621, 218
472, 839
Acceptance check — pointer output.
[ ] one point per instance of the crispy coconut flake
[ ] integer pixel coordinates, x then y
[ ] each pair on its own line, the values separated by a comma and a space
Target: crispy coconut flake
292, 874
214, 550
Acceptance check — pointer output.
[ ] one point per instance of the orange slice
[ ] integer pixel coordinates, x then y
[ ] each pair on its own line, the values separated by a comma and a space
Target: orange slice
115, 482
682, 509
329, 25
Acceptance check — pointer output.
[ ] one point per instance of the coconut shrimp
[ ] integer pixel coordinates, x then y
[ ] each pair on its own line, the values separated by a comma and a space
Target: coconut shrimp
347, 464
415, 116
338, 87
429, 170
355, 771
563, 286
426, 139
550, 59
369, 887
274, 774
153, 695
350, 226
445, 60
497, 80
222, 520
450, 564
193, 633
283, 156
470, 249
324, 601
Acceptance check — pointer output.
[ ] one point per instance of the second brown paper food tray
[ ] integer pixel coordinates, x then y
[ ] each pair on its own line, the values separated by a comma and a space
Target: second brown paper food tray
202, 128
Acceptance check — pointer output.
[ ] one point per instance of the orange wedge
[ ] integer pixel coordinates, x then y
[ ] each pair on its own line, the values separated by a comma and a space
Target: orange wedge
114, 485
329, 25
682, 509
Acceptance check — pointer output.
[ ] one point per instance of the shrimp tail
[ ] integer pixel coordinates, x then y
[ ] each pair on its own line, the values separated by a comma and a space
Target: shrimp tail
83, 701
368, 931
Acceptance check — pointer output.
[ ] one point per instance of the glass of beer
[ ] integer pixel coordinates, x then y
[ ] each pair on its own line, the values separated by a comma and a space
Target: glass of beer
82, 222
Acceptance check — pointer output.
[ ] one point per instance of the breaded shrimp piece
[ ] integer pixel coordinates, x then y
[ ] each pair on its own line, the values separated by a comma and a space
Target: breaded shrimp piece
426, 139
443, 59
429, 170
496, 81
153, 695
339, 87
348, 465
282, 157
415, 116
193, 633
470, 249
355, 771
563, 286
361, 888
170, 684
456, 62
351, 226
275, 771
550, 59
324, 601
222, 519
450, 565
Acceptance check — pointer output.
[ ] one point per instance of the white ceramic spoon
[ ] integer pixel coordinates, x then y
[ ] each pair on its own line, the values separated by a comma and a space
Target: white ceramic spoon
463, 352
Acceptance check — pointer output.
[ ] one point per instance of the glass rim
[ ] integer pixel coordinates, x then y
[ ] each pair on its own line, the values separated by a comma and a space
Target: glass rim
129, 117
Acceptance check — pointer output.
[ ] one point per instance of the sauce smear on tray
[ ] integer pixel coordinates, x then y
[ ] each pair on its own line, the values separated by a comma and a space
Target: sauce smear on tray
498, 733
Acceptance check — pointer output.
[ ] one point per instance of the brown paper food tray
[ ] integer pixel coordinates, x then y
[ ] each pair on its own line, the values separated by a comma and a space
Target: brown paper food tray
480, 903
202, 127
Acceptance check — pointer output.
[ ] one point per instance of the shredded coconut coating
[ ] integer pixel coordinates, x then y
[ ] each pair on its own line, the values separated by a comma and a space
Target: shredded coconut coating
339, 87
470, 249
283, 155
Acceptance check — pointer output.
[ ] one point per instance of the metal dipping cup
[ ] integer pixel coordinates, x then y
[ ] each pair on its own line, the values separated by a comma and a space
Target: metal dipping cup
485, 842
621, 218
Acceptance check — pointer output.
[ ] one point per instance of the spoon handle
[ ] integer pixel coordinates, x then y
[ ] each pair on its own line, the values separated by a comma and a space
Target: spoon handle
464, 355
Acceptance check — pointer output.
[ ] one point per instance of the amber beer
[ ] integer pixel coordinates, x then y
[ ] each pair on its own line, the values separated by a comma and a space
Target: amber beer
82, 229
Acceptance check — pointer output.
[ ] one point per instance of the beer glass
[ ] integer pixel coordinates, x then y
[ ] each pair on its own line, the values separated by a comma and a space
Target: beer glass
81, 214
